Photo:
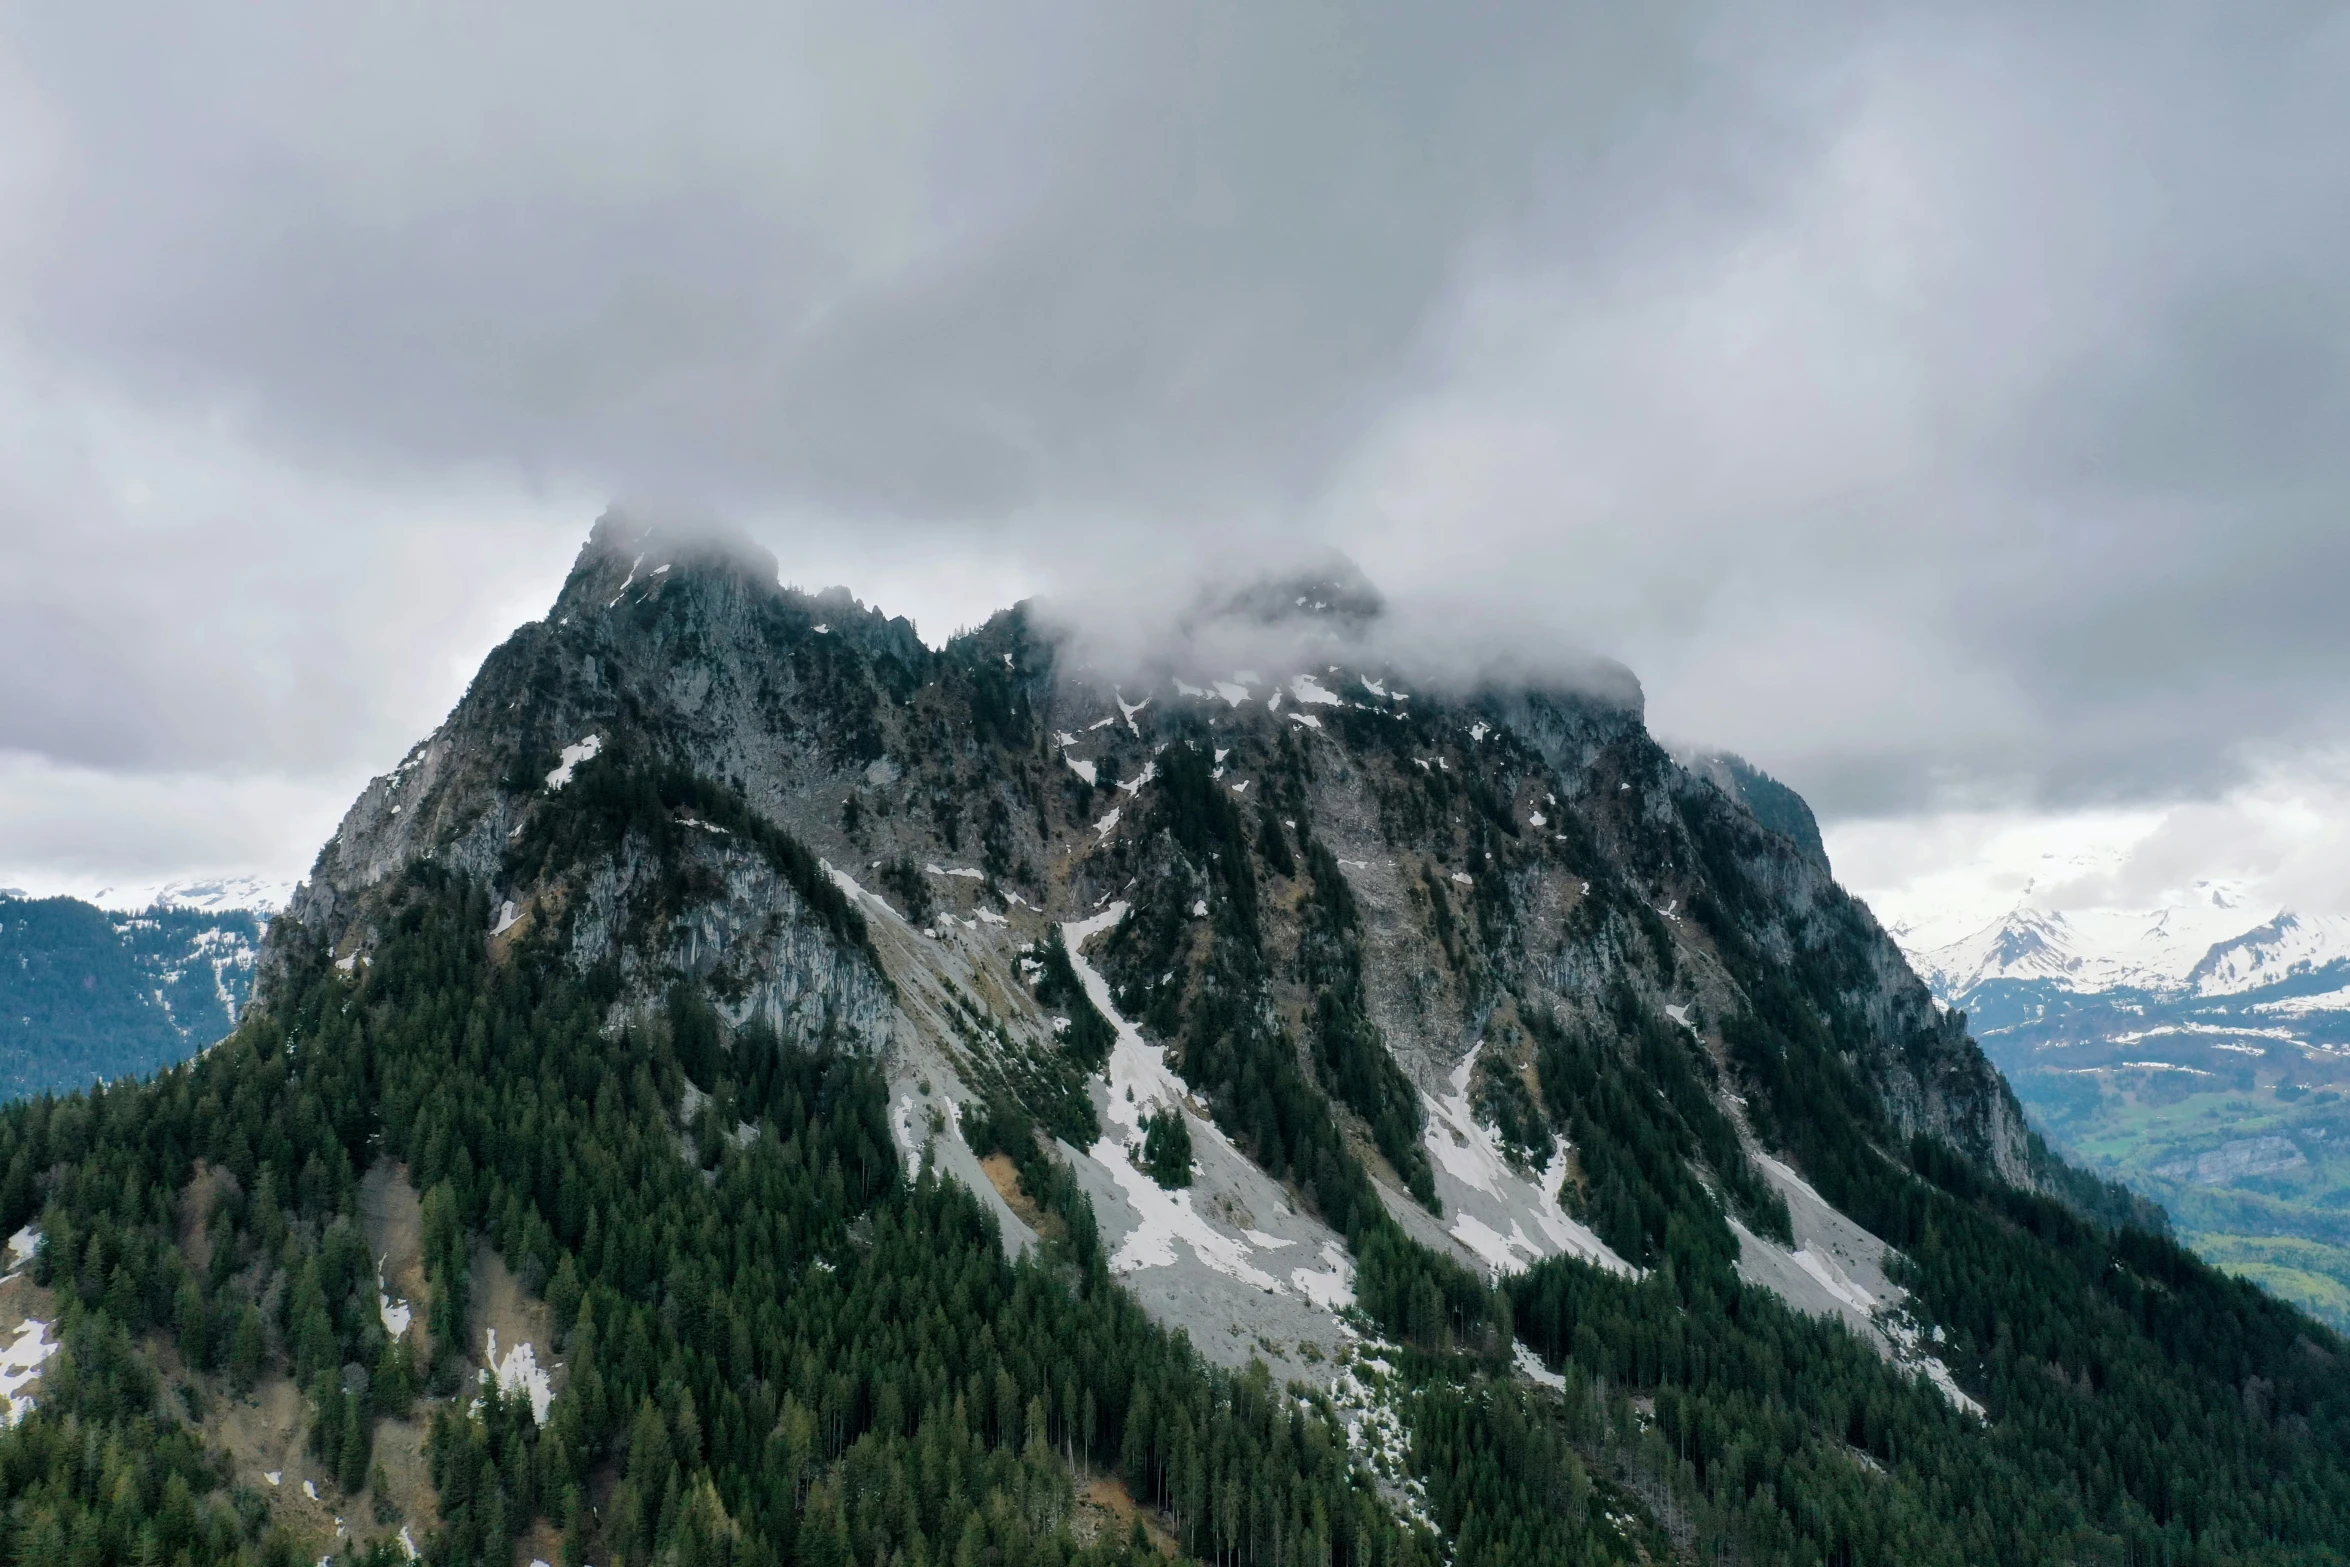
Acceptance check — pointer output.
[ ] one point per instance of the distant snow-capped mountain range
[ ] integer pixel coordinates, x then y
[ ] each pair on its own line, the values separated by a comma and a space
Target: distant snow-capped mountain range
261, 895
2198, 1051
2211, 940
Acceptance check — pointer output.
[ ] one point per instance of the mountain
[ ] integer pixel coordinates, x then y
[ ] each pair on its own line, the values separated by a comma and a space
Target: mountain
2198, 1051
749, 1087
1766, 799
259, 895
89, 994
2205, 942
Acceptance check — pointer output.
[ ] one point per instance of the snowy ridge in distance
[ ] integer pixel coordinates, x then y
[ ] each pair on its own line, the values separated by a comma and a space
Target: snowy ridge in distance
259, 894
2208, 940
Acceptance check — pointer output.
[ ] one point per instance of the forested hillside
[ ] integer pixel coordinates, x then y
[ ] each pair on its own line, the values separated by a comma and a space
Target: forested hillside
805, 1354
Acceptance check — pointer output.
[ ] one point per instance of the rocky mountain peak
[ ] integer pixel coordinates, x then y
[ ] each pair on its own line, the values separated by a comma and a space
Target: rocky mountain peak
623, 551
1765, 798
686, 768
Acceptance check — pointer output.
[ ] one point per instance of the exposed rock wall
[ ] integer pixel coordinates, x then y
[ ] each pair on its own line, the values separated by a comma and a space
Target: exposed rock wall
1508, 849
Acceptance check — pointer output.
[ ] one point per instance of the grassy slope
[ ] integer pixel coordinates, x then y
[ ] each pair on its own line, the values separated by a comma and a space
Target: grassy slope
2288, 1231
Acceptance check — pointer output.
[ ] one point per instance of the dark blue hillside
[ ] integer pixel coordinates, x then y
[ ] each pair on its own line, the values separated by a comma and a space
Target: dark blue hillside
88, 994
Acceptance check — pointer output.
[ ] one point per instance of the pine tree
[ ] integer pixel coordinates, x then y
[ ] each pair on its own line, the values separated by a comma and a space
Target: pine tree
351, 1462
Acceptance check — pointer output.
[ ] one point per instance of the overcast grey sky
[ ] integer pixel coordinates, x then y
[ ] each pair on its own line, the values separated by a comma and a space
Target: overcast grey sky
1948, 407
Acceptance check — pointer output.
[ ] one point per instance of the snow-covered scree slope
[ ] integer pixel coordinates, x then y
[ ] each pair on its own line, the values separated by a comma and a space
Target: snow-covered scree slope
1319, 858
1507, 1216
1837, 1269
1228, 1258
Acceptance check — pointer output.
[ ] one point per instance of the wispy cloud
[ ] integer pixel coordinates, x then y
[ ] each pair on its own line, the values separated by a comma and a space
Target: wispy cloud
1941, 407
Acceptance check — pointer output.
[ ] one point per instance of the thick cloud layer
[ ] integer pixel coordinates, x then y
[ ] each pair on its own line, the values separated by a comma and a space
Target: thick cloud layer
944, 263
1943, 407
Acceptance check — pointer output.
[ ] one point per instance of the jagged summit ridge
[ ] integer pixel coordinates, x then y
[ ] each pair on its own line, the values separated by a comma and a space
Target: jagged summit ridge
2207, 943
1500, 858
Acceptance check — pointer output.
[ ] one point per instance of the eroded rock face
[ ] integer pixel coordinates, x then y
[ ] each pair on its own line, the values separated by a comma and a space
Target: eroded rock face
750, 940
667, 655
1511, 861
2237, 1159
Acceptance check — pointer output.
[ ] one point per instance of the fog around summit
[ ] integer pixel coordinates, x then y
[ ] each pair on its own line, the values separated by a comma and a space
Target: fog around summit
1940, 409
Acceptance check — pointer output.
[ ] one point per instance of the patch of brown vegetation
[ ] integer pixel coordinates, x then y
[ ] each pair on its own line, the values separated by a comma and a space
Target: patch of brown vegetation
22, 1300
392, 1217
407, 1480
268, 1430
203, 1190
1357, 1133
994, 997
264, 1433
501, 1305
502, 944
1005, 1178
539, 1543
1105, 1506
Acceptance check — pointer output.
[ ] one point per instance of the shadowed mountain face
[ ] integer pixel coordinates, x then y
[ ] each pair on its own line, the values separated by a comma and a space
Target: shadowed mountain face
803, 1096
1769, 801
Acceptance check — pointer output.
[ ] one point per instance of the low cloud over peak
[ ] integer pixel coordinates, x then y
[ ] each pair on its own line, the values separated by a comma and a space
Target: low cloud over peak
1935, 407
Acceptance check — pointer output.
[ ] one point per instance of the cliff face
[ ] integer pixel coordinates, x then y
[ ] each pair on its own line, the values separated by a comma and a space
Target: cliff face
1410, 905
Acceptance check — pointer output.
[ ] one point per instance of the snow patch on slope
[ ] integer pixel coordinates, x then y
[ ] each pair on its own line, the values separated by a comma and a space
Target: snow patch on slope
1313, 693
21, 1364
1508, 1219
2307, 1006
573, 755
394, 1313
1140, 1084
520, 1372
903, 1133
1332, 1286
1837, 1269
